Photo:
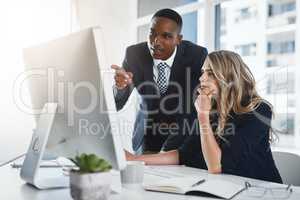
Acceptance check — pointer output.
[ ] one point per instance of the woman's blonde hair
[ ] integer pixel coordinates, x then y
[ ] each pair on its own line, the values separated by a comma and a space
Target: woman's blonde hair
237, 90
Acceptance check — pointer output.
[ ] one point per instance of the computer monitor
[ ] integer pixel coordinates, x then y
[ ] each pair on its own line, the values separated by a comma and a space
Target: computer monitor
70, 85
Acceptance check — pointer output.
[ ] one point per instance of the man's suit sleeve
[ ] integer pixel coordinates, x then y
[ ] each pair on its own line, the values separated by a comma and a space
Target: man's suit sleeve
121, 96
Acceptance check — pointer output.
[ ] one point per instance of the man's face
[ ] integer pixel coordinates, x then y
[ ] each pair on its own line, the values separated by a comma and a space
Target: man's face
163, 37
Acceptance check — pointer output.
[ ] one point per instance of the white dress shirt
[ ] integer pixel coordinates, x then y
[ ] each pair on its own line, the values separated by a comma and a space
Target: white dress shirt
169, 62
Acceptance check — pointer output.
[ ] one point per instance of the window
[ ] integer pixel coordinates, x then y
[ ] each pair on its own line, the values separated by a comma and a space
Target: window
148, 7
271, 63
280, 8
291, 103
223, 17
246, 49
245, 13
223, 22
284, 124
189, 29
291, 20
275, 47
281, 83
269, 47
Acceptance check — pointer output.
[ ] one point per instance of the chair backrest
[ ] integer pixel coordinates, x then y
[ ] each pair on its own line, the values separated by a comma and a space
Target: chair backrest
288, 165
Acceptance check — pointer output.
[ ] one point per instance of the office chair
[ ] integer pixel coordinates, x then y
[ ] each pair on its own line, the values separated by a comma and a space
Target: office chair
288, 165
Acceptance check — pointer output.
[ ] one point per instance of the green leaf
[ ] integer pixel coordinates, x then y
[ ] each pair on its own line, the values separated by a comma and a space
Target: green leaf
91, 163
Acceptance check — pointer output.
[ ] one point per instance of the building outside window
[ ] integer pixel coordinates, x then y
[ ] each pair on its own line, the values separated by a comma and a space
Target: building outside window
149, 7
278, 8
245, 14
281, 83
270, 54
246, 49
281, 47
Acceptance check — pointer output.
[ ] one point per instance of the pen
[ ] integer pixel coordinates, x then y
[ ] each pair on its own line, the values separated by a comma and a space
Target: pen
198, 183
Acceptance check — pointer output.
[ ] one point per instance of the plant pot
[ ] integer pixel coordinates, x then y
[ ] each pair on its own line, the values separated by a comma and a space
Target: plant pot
90, 186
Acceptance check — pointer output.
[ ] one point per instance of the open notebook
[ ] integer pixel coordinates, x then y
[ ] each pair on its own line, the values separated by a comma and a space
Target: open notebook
195, 186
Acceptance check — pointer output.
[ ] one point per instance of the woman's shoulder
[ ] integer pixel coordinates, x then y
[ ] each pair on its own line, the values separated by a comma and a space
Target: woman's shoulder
253, 122
261, 111
263, 108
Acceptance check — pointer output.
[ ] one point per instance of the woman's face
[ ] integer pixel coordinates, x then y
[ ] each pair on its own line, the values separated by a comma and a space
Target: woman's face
208, 82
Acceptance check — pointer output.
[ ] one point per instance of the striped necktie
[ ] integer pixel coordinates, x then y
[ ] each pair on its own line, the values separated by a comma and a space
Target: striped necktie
162, 78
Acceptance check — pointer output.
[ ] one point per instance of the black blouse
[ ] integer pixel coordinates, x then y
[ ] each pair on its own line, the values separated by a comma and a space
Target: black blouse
245, 147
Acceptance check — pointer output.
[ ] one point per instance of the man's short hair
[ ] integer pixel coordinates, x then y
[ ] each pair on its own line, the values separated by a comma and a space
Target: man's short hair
170, 14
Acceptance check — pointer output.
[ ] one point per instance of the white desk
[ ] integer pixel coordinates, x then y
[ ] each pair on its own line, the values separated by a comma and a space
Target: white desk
13, 188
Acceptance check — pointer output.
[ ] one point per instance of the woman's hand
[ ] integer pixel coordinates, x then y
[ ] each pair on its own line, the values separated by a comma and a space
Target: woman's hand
203, 105
210, 148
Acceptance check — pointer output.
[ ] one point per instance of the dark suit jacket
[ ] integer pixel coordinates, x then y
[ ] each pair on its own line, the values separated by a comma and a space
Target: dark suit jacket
169, 109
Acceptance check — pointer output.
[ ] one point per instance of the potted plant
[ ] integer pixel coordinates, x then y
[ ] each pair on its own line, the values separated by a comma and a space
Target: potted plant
91, 179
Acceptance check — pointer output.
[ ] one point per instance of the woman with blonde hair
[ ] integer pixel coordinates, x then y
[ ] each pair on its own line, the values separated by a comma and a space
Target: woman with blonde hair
234, 122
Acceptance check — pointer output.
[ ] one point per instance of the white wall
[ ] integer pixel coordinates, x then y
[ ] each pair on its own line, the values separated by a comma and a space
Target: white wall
23, 23
117, 19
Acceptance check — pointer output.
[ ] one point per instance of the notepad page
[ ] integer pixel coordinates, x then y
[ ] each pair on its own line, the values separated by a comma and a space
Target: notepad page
178, 185
219, 188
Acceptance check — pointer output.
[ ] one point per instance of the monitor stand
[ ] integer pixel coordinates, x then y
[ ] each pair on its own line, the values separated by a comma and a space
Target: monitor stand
46, 178
31, 171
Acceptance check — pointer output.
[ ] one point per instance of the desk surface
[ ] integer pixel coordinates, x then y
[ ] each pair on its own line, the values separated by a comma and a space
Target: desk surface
12, 187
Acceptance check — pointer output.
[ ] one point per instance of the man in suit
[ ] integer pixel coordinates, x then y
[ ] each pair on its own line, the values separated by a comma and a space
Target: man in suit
165, 71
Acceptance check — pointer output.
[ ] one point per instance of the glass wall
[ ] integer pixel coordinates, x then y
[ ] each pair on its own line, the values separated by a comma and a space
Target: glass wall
148, 7
189, 30
263, 32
